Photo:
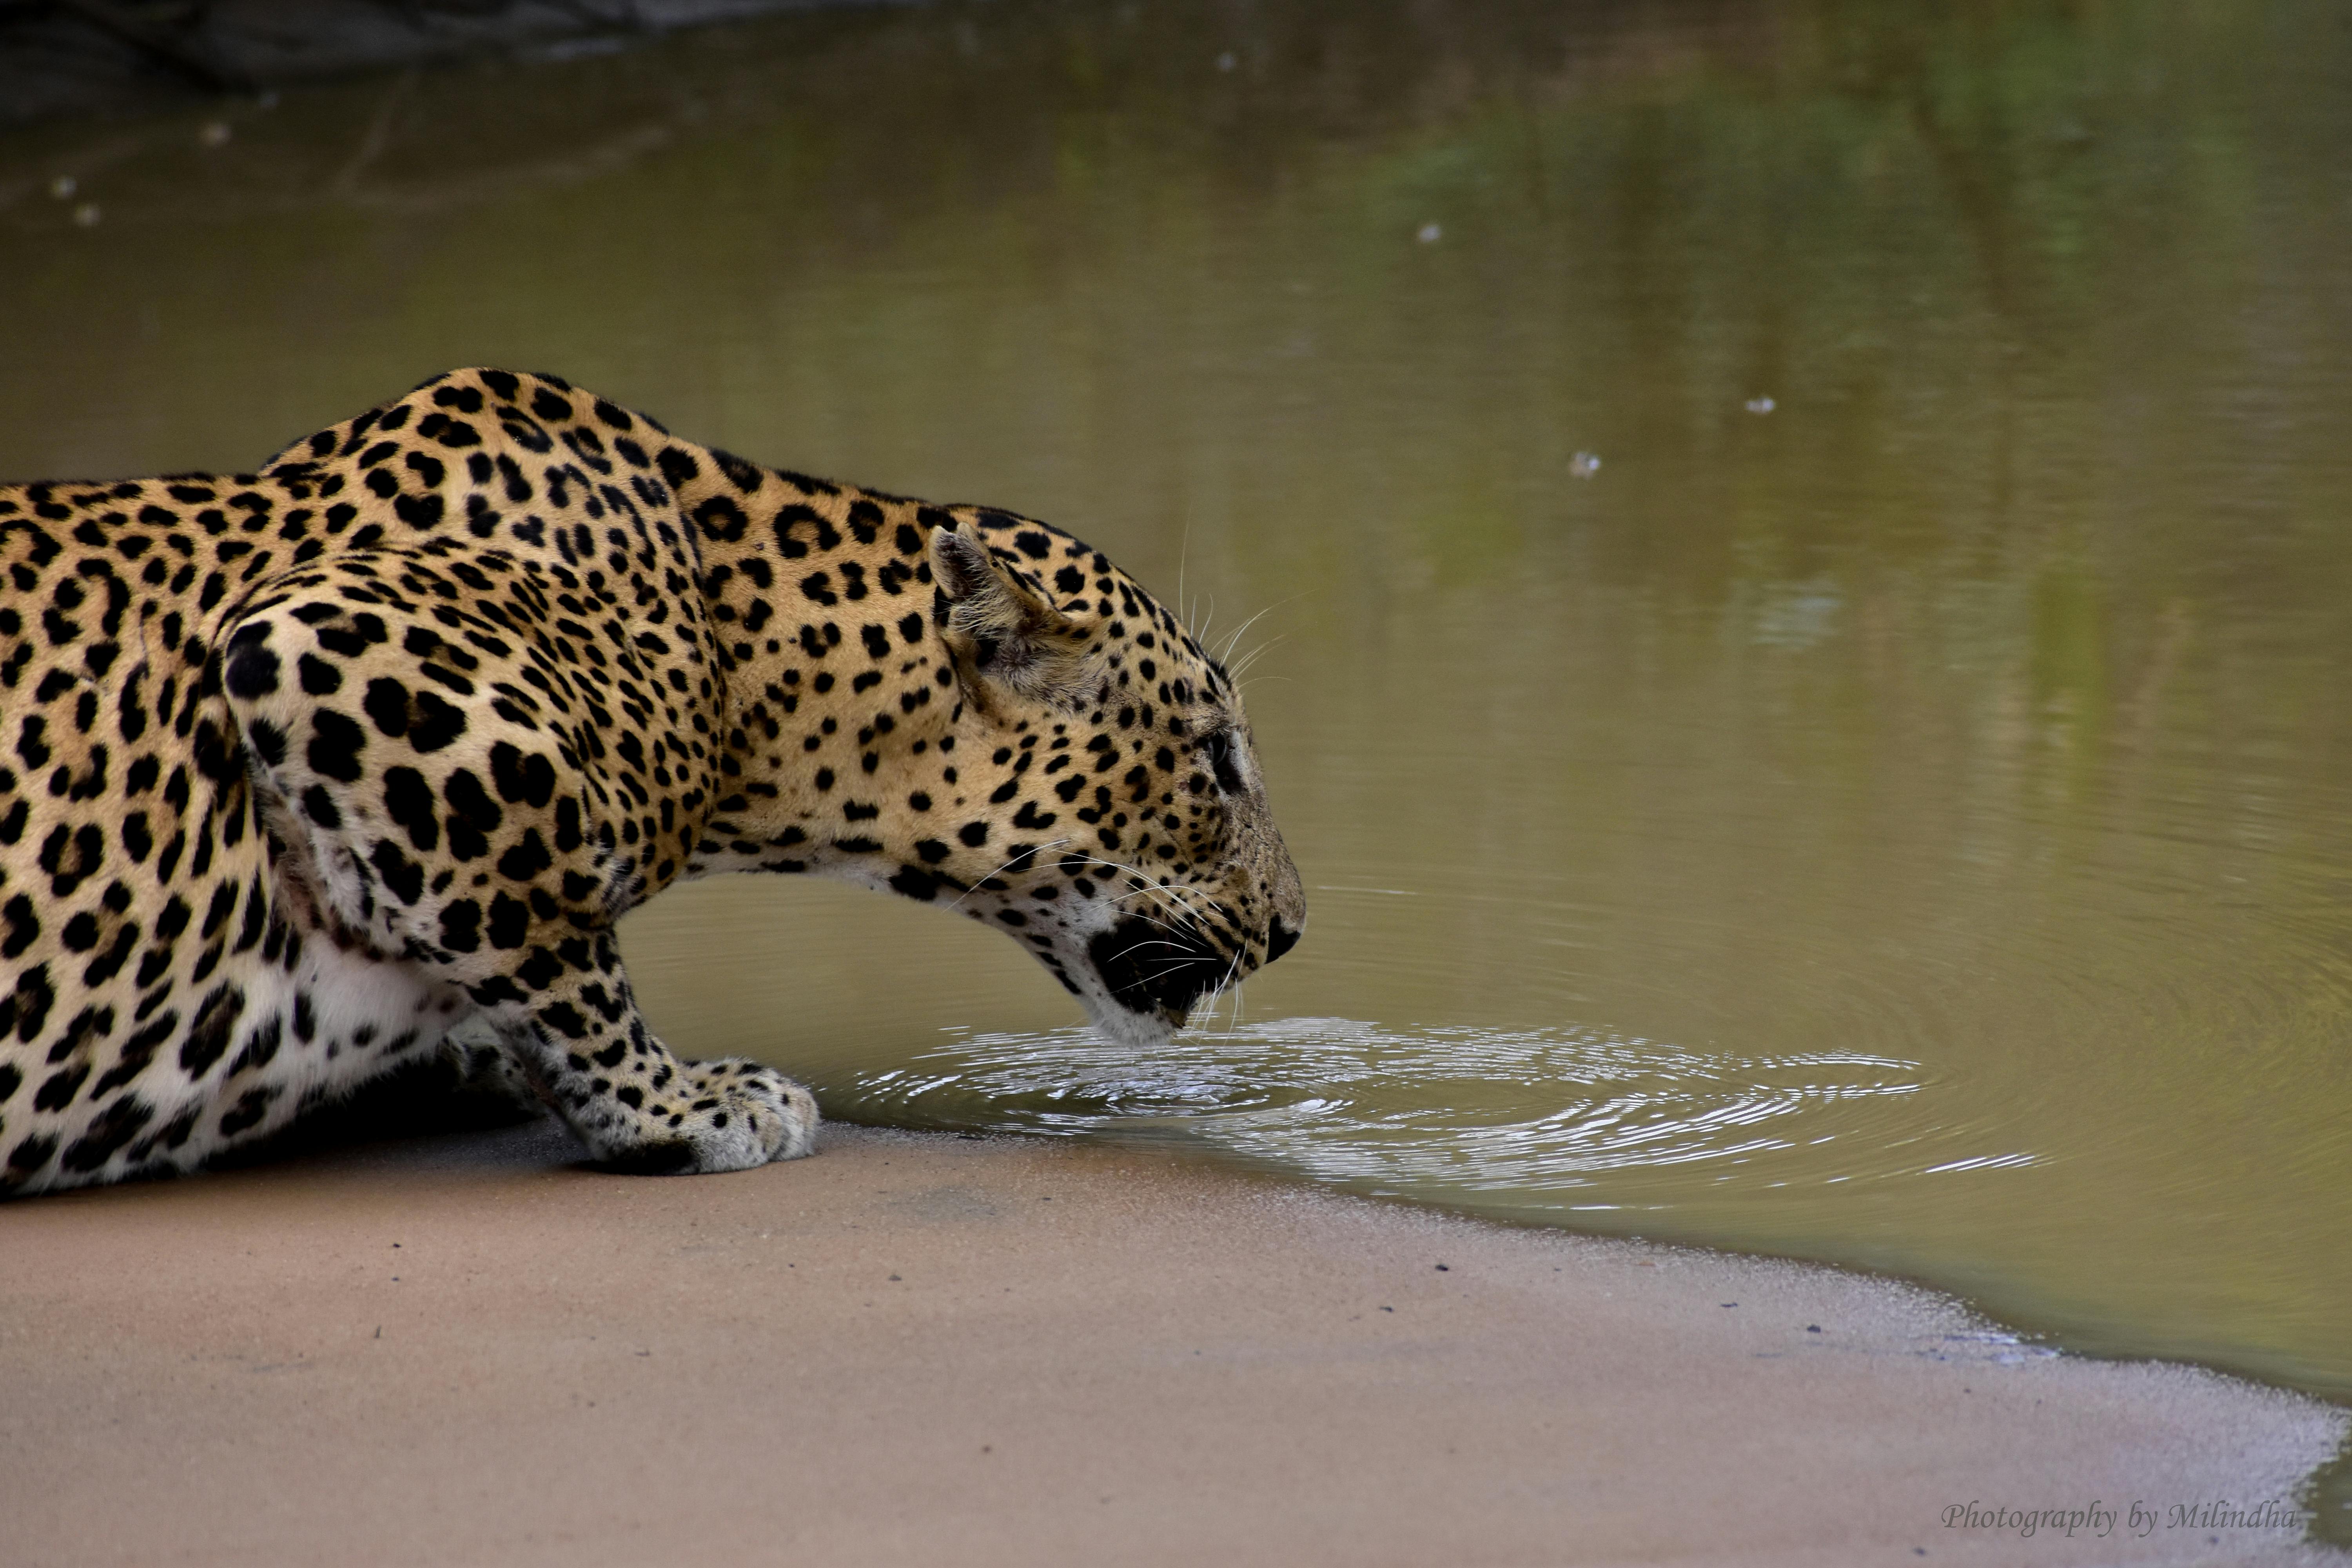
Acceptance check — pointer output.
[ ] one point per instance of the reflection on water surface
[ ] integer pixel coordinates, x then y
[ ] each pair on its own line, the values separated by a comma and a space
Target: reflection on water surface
1893, 808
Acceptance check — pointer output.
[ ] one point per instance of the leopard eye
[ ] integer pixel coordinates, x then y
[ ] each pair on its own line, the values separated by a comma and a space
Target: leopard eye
1221, 747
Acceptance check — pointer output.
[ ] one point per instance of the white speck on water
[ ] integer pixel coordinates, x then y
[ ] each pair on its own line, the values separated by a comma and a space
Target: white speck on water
1584, 465
1761, 405
64, 187
1226, 61
215, 133
1431, 233
87, 214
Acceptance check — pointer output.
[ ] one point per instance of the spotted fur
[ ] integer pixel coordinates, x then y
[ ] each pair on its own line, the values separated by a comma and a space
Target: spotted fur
300, 769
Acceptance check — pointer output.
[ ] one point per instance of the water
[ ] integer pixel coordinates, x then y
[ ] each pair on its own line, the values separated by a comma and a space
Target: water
1802, 551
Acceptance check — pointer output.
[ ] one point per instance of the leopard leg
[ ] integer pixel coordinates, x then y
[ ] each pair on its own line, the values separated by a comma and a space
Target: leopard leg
491, 837
476, 1060
586, 1050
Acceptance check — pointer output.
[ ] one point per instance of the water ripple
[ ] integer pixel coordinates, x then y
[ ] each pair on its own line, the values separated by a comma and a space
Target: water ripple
1460, 1110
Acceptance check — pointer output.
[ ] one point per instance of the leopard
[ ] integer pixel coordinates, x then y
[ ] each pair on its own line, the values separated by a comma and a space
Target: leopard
314, 771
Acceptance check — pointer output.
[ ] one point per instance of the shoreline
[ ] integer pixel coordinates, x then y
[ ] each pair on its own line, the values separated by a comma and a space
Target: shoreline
465, 1347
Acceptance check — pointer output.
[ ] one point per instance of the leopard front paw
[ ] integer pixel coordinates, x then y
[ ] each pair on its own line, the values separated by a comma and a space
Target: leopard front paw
776, 1118
719, 1116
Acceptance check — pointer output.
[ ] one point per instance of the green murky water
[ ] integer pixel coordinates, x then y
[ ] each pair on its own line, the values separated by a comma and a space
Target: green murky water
1907, 821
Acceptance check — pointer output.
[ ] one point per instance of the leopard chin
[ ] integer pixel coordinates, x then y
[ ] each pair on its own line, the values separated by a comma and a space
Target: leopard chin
1138, 1032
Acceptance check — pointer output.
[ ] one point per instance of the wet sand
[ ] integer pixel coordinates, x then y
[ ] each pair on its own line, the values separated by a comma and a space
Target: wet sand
922, 1347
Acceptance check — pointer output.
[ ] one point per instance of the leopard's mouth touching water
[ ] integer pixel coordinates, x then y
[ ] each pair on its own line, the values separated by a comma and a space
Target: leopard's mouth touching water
1150, 967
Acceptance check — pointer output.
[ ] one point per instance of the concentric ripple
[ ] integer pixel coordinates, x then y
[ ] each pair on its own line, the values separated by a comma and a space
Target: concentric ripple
1545, 1116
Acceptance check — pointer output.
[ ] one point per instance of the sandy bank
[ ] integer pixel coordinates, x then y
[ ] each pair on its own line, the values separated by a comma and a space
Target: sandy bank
931, 1349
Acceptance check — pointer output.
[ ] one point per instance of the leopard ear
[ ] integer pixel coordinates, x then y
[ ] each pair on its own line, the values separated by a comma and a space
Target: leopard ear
1002, 634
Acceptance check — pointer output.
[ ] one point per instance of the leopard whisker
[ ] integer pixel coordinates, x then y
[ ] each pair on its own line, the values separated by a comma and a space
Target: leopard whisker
1143, 883
1241, 666
1024, 854
1219, 990
1243, 630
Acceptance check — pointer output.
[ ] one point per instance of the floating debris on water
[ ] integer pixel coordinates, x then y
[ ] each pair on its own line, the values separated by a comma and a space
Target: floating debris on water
64, 187
1584, 465
1760, 405
1226, 61
87, 214
1431, 233
215, 133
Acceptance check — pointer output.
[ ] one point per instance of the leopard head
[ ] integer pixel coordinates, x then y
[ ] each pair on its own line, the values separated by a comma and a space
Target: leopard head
1115, 820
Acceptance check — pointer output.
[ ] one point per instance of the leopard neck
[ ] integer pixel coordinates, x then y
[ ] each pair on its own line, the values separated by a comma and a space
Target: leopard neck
842, 717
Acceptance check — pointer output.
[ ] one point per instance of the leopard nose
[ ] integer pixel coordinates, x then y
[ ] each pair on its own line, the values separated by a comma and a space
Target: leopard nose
1279, 938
